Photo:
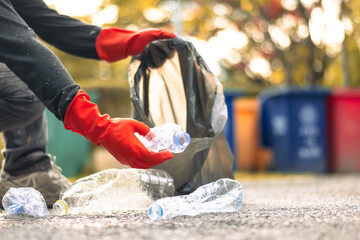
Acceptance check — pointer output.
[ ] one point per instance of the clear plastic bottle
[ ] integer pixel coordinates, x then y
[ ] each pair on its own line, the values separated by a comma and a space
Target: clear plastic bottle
169, 136
224, 195
24, 200
114, 190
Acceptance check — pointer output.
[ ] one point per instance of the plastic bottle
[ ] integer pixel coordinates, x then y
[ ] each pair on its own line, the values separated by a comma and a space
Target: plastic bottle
24, 200
114, 190
224, 195
169, 136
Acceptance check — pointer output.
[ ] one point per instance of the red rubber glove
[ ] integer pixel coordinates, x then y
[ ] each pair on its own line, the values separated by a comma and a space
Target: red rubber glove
114, 134
114, 44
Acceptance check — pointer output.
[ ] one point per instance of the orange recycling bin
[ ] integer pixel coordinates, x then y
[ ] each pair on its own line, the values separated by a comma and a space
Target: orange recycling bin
249, 154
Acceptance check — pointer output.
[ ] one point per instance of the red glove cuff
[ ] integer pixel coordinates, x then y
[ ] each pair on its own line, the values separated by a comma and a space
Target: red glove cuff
114, 44
83, 117
67, 119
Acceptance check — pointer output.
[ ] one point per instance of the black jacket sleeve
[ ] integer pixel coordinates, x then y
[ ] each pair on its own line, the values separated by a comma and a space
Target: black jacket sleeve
33, 63
65, 33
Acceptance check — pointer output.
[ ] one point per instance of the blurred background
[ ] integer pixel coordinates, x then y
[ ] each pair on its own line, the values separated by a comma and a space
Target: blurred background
290, 70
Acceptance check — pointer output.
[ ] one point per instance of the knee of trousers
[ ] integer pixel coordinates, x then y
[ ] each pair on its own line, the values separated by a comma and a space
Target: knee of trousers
33, 112
19, 106
20, 113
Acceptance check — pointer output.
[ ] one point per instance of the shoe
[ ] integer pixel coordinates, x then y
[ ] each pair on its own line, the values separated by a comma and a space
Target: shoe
49, 183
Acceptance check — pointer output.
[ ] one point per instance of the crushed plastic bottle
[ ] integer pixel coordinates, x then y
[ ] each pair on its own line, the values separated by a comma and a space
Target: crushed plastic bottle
169, 136
25, 200
224, 195
115, 190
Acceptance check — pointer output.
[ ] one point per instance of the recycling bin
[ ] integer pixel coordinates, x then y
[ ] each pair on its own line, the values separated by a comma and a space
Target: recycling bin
230, 96
249, 154
344, 130
293, 124
72, 151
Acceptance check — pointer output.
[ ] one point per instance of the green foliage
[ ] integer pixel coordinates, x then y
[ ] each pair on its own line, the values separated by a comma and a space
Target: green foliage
299, 61
354, 61
131, 12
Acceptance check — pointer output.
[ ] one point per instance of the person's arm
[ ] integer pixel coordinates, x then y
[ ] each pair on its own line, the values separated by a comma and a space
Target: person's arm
33, 63
81, 39
41, 70
63, 32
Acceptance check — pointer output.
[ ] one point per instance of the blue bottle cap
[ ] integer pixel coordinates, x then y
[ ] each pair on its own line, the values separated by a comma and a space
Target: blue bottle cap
155, 212
15, 208
182, 139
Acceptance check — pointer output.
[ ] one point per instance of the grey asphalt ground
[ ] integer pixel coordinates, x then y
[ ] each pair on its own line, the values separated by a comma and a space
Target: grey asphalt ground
281, 207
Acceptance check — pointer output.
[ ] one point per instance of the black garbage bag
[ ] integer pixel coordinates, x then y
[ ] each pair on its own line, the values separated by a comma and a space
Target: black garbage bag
171, 83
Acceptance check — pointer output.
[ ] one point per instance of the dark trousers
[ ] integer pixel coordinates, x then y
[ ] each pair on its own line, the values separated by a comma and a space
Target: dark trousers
23, 125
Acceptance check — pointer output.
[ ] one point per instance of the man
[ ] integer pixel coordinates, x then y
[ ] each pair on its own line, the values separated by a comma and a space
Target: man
31, 76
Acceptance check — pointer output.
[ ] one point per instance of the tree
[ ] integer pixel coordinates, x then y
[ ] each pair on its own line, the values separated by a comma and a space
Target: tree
250, 44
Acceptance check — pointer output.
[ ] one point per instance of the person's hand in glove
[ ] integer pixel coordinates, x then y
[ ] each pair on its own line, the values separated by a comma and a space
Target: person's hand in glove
114, 44
114, 134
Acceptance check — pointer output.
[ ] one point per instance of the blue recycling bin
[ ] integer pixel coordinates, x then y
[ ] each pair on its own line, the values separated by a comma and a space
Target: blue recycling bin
293, 124
230, 96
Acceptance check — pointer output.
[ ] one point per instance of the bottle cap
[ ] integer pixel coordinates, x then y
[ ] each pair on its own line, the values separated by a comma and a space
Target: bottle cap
182, 139
61, 207
155, 212
15, 208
